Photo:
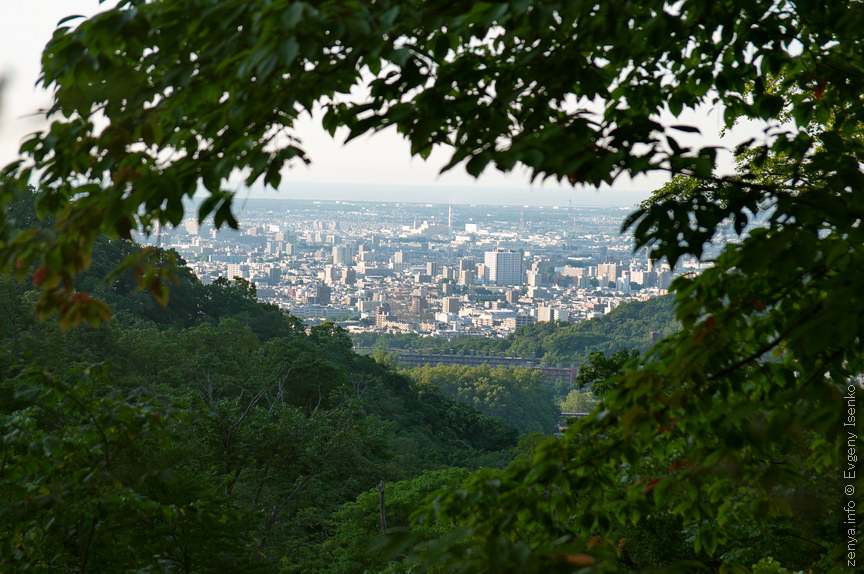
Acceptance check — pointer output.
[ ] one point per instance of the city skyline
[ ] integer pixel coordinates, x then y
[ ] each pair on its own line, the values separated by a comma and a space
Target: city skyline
426, 268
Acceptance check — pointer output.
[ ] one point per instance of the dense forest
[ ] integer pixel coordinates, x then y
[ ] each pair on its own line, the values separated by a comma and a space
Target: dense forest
519, 397
211, 435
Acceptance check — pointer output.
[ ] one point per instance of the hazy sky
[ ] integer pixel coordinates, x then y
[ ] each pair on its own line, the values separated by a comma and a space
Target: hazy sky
380, 165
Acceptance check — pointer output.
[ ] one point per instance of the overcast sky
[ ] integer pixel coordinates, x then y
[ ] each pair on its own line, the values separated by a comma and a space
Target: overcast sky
380, 160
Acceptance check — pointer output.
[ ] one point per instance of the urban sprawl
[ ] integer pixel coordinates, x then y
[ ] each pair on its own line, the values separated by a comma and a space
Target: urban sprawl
440, 270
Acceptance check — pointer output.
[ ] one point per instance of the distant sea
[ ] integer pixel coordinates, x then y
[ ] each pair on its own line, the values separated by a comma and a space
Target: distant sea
467, 195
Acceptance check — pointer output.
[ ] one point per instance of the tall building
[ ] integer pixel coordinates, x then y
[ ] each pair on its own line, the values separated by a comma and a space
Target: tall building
274, 275
609, 271
467, 277
535, 279
417, 306
237, 270
341, 255
547, 314
191, 226
331, 274
451, 305
504, 266
322, 294
482, 273
349, 276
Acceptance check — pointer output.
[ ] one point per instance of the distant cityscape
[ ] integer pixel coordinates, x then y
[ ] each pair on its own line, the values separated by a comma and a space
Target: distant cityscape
441, 270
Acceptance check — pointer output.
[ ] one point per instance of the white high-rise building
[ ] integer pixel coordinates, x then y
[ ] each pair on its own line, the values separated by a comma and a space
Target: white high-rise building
341, 255
237, 270
504, 267
546, 313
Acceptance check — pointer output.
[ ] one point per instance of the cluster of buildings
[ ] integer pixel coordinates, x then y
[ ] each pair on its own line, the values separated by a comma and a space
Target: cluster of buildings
431, 269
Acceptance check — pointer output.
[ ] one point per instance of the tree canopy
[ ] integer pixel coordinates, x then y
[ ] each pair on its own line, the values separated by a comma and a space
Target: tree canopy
212, 447
740, 414
519, 397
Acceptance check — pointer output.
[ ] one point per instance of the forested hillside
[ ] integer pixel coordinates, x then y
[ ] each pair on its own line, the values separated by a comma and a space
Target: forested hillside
213, 435
519, 397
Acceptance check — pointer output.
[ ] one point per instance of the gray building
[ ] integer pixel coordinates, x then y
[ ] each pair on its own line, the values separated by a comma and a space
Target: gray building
504, 267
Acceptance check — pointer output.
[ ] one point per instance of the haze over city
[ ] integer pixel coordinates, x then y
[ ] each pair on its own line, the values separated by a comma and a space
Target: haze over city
436, 269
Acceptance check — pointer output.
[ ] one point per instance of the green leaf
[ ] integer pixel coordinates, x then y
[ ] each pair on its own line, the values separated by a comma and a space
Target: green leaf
688, 129
292, 14
288, 51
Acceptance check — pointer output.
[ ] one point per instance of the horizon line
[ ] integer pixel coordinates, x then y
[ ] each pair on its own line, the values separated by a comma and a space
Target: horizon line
443, 195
